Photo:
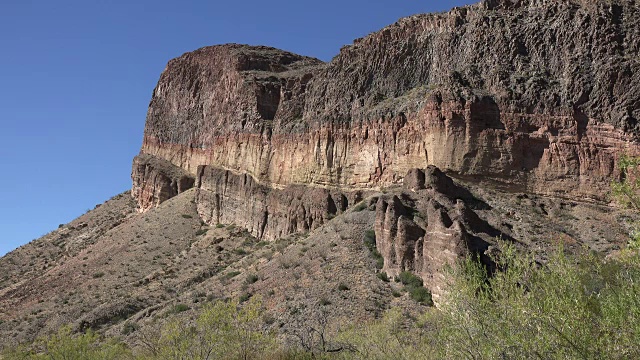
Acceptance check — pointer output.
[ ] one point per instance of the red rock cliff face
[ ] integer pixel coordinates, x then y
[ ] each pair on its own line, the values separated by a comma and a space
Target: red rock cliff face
541, 95
429, 226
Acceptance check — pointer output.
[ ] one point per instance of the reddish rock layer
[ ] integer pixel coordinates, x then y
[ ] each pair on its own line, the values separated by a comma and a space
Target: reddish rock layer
542, 95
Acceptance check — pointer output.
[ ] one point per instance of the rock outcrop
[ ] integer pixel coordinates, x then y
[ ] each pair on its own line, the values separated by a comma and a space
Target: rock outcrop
156, 180
429, 227
542, 96
268, 213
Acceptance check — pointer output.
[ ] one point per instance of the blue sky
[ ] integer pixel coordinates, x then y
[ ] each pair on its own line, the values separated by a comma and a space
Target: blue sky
76, 77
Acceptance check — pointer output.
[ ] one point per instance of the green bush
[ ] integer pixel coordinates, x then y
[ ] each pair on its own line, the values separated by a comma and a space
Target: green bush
409, 279
414, 286
231, 274
179, 308
64, 345
627, 193
383, 276
222, 330
252, 279
577, 306
361, 206
370, 243
240, 251
129, 328
421, 295
582, 307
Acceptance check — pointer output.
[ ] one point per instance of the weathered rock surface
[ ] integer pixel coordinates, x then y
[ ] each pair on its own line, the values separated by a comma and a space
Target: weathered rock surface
267, 213
156, 180
540, 95
428, 227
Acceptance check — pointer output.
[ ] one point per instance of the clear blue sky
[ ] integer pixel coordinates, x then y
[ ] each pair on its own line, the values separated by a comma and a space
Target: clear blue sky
76, 77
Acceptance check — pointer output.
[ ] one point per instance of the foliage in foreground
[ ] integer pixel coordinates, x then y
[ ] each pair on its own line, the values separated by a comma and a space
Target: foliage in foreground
572, 308
64, 345
581, 307
626, 191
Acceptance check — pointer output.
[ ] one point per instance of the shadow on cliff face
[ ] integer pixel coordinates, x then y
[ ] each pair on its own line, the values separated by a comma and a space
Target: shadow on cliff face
485, 112
434, 179
430, 225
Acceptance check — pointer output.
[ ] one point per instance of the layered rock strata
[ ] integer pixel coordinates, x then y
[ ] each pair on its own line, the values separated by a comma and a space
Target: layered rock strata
541, 95
156, 180
226, 197
428, 227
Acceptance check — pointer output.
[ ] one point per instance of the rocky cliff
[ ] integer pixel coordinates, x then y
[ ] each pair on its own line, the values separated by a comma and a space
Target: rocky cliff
539, 94
311, 185
224, 197
429, 225
536, 96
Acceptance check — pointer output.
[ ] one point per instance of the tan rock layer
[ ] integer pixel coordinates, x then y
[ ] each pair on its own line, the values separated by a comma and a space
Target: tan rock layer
542, 95
537, 153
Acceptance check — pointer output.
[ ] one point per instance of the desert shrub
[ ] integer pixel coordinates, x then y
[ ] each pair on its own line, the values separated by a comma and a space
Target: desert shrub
240, 251
179, 308
361, 206
572, 307
343, 287
421, 295
577, 307
129, 328
231, 274
627, 192
414, 286
383, 276
385, 338
324, 301
252, 279
409, 279
370, 243
223, 330
64, 345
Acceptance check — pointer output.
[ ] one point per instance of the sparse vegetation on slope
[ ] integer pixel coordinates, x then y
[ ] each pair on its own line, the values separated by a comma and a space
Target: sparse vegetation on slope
573, 307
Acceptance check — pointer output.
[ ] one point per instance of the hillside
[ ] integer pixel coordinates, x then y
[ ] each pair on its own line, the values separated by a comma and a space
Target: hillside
269, 174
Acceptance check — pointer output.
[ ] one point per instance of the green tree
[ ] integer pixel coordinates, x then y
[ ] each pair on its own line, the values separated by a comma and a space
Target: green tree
223, 330
626, 191
64, 345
